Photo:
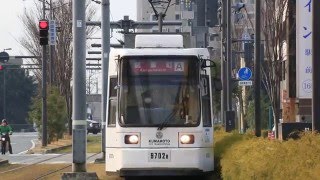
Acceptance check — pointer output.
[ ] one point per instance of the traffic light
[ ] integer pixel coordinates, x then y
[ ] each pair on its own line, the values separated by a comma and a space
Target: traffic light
1, 68
4, 57
43, 31
248, 53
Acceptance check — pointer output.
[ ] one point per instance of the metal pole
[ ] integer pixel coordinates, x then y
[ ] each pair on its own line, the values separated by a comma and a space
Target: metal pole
44, 87
257, 78
229, 114
229, 57
105, 5
223, 63
160, 21
79, 110
316, 67
4, 93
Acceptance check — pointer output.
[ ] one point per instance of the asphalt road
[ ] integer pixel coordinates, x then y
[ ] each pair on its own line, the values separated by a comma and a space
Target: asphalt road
21, 142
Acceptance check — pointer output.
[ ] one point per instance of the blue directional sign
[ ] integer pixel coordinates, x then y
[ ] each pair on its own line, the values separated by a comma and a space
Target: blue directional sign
244, 73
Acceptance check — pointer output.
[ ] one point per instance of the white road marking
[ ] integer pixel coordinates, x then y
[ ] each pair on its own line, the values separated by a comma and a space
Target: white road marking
33, 145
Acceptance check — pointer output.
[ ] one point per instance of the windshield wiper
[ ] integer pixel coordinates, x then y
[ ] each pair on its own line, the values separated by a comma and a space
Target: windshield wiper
172, 114
167, 119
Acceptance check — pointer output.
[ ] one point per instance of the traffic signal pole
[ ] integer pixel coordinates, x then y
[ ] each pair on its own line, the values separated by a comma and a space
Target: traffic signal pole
44, 87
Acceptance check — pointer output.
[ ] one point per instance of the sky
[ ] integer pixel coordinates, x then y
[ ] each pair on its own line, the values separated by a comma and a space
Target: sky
11, 29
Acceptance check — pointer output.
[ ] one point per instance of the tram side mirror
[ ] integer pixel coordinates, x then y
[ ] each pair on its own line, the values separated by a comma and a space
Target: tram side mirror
216, 84
207, 63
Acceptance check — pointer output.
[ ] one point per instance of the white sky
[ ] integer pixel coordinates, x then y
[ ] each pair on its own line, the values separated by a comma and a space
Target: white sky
11, 29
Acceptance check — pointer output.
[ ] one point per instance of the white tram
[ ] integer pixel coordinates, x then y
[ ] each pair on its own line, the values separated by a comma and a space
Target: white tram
159, 103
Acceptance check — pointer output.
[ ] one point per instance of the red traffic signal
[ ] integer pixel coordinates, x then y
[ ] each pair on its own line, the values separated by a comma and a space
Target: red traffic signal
43, 32
1, 68
43, 24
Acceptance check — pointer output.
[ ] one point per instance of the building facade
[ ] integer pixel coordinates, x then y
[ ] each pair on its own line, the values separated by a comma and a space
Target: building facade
185, 11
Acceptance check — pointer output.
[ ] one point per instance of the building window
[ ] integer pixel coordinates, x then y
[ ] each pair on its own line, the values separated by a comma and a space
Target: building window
177, 30
187, 5
178, 17
177, 2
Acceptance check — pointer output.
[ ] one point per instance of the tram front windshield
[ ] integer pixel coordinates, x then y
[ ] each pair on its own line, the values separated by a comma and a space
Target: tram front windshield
159, 91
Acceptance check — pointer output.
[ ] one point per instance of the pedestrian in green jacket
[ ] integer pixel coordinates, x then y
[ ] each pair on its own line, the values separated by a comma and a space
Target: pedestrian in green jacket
5, 129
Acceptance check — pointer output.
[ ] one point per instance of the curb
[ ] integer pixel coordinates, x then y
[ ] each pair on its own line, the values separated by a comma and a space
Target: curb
3, 162
57, 149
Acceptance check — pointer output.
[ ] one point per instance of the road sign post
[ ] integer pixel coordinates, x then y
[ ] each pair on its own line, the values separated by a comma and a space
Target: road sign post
245, 75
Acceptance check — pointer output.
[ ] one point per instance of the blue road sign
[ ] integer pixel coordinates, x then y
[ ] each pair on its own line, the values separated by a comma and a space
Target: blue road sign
244, 73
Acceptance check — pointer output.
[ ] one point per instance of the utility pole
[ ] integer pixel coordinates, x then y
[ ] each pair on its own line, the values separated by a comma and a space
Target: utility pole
44, 85
229, 56
105, 5
257, 62
229, 114
79, 110
315, 67
223, 62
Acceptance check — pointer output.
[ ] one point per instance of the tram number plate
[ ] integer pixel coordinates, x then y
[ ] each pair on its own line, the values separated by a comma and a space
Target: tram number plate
159, 156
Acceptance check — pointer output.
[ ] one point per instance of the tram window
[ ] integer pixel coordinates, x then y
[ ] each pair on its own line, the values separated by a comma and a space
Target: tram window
112, 101
113, 84
112, 112
206, 106
159, 90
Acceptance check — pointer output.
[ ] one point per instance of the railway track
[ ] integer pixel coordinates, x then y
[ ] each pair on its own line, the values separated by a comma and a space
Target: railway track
42, 161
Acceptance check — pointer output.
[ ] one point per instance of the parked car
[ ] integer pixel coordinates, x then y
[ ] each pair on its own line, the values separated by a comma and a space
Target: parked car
93, 127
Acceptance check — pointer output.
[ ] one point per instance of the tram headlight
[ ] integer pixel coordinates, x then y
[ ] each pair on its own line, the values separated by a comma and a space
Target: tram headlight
187, 139
131, 139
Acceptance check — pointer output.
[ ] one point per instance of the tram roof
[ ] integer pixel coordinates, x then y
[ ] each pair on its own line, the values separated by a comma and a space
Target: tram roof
161, 52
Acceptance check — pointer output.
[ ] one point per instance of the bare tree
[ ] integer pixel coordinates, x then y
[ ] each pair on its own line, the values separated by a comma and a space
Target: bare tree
92, 80
275, 14
62, 59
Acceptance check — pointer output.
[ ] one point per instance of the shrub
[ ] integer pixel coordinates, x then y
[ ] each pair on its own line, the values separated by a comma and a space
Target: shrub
56, 113
259, 158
